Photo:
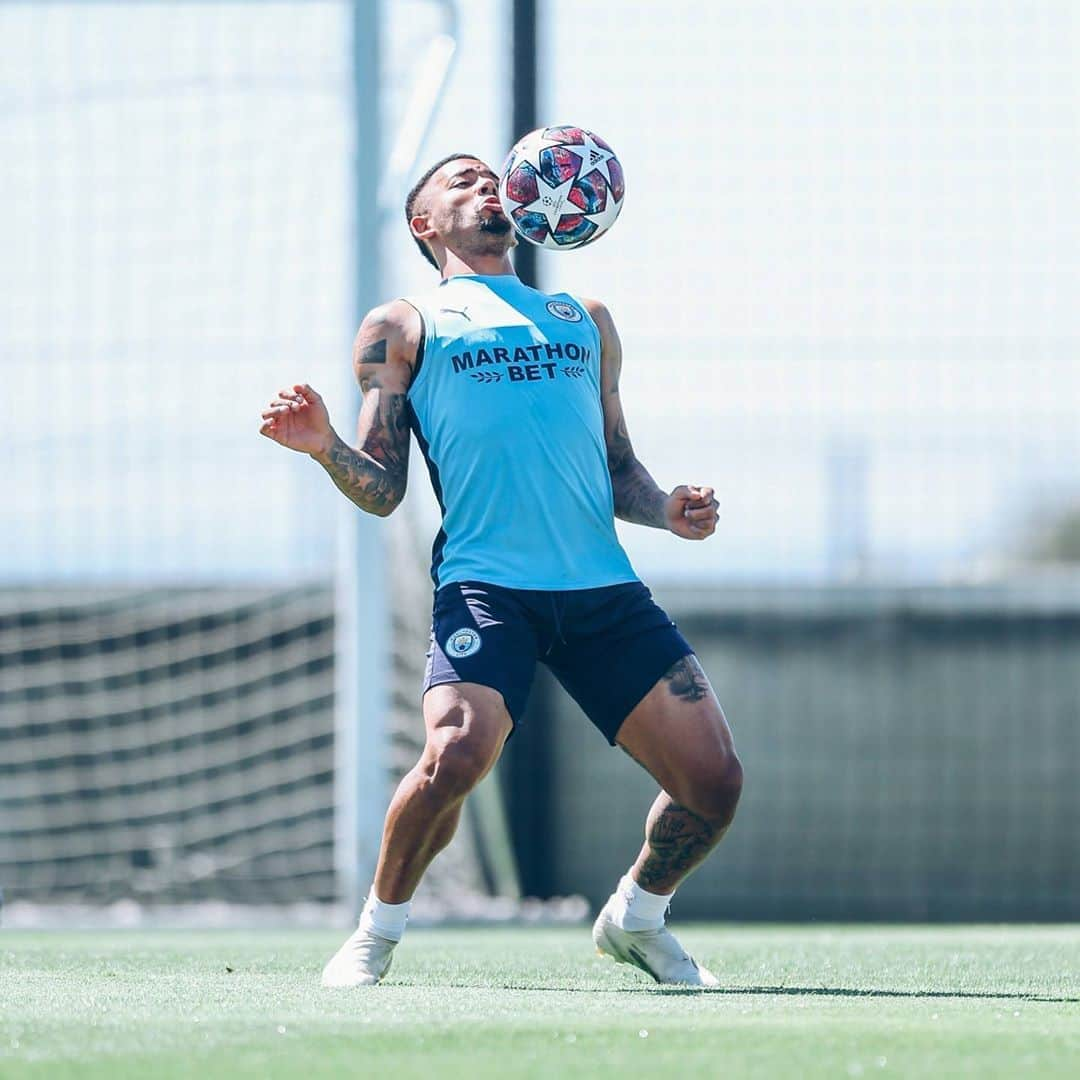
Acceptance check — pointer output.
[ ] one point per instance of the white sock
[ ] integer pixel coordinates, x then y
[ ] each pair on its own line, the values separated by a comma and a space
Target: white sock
386, 920
636, 909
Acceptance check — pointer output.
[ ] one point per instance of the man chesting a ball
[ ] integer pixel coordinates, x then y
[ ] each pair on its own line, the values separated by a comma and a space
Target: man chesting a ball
513, 396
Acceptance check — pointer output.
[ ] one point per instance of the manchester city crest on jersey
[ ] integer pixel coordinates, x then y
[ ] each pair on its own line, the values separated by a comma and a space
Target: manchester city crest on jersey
462, 643
562, 310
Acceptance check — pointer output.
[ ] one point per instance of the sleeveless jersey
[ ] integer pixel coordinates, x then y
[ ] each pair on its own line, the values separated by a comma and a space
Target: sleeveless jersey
506, 409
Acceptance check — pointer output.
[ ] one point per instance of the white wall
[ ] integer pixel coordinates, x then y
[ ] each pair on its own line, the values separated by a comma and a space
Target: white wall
850, 250
845, 223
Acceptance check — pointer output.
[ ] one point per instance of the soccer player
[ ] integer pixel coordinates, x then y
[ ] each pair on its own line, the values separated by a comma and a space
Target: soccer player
513, 396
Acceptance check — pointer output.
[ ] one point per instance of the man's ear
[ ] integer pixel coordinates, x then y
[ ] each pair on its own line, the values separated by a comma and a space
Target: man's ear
421, 226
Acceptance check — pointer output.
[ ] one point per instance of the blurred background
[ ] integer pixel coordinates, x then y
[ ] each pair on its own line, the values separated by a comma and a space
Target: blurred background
845, 278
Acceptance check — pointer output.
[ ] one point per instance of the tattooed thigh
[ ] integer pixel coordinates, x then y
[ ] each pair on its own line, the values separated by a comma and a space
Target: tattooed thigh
686, 680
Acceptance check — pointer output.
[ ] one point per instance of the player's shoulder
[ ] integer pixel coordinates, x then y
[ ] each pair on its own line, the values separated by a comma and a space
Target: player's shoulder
393, 317
598, 311
389, 332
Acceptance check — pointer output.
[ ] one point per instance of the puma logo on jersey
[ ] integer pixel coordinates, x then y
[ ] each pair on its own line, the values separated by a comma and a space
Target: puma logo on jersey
454, 311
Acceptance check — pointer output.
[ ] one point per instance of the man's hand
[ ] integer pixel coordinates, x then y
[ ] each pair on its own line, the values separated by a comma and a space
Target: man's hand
691, 512
298, 419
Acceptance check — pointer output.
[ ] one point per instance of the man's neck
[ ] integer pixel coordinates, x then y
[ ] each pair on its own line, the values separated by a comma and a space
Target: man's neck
488, 265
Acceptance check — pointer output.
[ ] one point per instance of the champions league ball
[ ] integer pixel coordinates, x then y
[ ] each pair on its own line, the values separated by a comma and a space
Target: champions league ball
562, 187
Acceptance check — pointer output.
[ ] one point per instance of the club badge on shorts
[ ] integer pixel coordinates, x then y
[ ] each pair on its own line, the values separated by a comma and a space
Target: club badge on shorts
462, 643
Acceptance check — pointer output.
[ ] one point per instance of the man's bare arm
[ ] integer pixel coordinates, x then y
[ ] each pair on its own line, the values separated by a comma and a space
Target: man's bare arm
638, 498
689, 512
375, 473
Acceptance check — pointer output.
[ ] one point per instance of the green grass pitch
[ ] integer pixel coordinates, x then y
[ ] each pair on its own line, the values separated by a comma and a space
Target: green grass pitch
797, 1001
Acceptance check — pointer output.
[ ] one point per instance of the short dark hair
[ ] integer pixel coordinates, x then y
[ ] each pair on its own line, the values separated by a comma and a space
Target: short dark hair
414, 194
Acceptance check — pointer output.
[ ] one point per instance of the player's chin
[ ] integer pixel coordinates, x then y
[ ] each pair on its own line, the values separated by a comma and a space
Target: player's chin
496, 225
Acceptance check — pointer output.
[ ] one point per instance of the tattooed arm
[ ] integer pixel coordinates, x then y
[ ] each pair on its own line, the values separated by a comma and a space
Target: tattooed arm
375, 474
689, 511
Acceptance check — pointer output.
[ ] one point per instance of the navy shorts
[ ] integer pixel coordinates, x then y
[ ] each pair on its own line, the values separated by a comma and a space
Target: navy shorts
608, 646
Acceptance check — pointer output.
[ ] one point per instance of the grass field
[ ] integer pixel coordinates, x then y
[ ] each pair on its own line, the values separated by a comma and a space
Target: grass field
797, 1001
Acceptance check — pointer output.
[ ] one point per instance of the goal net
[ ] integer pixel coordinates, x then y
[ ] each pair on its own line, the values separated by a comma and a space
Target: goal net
178, 221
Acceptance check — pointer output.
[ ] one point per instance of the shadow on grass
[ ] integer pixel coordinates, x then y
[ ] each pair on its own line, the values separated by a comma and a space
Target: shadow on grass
845, 991
768, 991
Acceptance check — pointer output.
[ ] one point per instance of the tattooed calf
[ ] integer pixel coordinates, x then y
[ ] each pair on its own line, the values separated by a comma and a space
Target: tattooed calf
678, 839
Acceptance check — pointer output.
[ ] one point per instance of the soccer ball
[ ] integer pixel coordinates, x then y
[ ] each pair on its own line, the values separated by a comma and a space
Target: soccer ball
562, 187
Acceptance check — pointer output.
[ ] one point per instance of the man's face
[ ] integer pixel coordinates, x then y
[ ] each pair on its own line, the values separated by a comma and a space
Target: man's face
461, 203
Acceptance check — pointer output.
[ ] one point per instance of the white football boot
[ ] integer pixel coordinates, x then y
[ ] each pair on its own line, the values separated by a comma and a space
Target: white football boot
362, 961
657, 952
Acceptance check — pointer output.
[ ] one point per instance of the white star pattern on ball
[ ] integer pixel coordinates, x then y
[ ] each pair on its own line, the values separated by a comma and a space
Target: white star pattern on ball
552, 200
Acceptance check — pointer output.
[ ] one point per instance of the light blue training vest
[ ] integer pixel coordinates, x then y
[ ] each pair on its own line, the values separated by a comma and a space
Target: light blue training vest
506, 408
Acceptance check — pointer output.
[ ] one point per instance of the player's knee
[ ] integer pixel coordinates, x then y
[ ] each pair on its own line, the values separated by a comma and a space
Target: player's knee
714, 789
456, 761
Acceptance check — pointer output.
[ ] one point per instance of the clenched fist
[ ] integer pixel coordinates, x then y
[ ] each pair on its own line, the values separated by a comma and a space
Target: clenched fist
692, 512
